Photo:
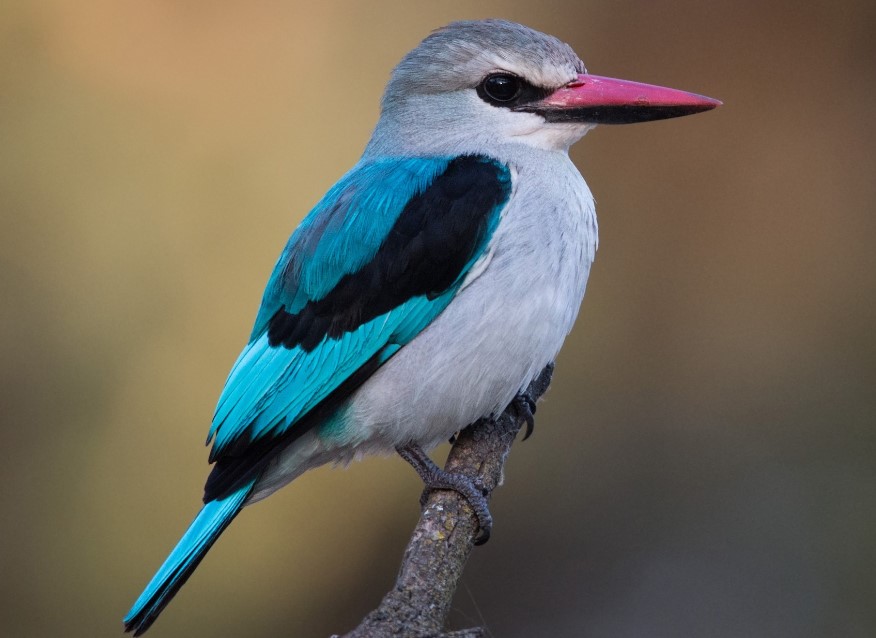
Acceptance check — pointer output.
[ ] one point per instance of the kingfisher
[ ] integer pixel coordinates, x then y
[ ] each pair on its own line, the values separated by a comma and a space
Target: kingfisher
429, 286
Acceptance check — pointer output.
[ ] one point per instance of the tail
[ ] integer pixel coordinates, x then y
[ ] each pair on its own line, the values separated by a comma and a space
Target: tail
210, 522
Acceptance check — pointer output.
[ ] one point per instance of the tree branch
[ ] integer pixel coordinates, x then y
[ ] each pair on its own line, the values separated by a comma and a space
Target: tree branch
435, 558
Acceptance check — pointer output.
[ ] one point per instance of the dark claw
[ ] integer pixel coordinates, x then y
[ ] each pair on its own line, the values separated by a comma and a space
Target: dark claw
525, 406
483, 534
480, 487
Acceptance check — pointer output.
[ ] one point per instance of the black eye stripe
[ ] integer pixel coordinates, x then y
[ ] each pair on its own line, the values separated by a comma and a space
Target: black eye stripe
509, 91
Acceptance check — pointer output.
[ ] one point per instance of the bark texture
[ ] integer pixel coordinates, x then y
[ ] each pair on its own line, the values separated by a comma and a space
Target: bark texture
418, 604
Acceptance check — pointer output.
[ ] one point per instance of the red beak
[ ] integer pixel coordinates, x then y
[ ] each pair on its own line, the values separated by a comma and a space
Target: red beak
598, 100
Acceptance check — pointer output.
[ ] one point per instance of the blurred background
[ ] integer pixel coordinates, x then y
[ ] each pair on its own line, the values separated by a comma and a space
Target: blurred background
705, 464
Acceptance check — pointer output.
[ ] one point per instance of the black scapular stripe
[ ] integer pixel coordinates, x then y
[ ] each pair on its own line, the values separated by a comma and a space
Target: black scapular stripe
430, 243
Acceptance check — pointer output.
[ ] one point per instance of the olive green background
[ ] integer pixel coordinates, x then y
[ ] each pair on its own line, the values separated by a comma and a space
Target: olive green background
705, 464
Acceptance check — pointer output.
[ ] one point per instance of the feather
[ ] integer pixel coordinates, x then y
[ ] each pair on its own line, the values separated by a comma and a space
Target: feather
210, 522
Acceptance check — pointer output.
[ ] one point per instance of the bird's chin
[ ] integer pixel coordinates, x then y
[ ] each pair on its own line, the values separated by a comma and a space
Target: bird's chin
557, 136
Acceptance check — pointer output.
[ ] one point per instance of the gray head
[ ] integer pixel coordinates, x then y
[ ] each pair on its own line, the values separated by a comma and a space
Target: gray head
478, 86
433, 91
460, 55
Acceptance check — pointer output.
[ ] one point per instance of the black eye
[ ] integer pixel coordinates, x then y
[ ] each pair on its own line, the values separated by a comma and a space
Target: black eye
500, 87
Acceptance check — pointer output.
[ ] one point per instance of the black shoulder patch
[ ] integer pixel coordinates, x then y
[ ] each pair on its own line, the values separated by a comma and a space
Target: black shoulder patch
436, 235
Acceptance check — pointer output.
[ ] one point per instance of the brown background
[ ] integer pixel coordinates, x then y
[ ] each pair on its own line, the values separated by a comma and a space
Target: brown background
705, 464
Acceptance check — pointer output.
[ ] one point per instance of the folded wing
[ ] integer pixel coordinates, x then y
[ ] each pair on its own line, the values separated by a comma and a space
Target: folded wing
373, 264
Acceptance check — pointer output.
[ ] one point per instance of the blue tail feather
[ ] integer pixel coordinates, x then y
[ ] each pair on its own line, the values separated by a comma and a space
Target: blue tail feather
210, 522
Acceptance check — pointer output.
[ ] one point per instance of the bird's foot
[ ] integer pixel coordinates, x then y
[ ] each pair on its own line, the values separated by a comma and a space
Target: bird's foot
436, 478
524, 405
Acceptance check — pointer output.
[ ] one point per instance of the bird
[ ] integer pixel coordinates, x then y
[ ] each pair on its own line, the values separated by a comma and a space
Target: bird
429, 286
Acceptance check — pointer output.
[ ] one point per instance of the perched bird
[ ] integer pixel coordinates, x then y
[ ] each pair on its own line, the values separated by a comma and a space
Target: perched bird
430, 285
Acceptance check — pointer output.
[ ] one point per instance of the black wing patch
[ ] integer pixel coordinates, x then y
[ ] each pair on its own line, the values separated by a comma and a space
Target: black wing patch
436, 235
